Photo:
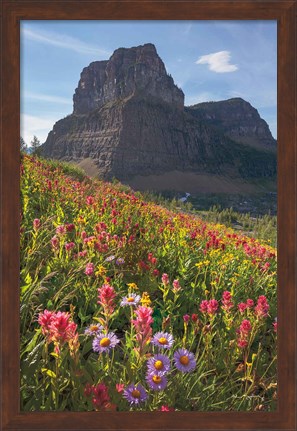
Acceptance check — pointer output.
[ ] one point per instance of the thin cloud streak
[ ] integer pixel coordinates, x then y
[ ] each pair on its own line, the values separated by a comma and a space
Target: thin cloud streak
218, 62
188, 29
48, 98
63, 41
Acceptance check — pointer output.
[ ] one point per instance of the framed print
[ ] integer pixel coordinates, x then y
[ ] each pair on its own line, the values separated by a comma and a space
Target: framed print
130, 301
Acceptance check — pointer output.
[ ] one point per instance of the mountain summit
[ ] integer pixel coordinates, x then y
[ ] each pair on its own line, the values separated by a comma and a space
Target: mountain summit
129, 121
137, 71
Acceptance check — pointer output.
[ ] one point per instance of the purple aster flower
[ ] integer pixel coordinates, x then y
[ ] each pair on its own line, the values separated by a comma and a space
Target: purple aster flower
94, 329
184, 360
135, 394
110, 258
158, 364
120, 261
156, 381
105, 342
131, 299
163, 339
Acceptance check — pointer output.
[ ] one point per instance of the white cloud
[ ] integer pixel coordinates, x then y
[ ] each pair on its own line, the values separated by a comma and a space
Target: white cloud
48, 98
38, 126
218, 62
63, 41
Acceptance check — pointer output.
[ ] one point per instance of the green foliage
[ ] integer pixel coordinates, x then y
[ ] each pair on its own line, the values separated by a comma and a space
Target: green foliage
68, 169
35, 144
23, 145
260, 227
78, 235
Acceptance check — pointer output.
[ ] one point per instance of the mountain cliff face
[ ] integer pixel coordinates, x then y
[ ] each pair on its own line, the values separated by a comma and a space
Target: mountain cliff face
236, 119
128, 72
129, 119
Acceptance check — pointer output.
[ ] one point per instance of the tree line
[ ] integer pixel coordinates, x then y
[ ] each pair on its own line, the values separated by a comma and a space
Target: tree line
34, 146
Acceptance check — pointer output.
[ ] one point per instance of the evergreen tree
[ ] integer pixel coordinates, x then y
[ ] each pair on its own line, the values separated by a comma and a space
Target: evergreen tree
23, 145
35, 144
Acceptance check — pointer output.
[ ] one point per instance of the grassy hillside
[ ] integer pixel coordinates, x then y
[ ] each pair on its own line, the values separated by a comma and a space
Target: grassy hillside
127, 305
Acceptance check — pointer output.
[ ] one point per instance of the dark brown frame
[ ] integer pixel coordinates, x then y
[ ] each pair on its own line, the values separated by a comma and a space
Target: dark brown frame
284, 11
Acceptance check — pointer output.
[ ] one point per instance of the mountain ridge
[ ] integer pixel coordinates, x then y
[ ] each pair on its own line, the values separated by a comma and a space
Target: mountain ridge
129, 118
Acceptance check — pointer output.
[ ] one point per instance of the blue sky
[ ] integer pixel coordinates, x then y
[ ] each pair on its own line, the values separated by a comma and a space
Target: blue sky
209, 60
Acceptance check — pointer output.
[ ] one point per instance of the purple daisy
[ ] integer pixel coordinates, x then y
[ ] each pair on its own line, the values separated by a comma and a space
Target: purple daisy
156, 381
184, 360
110, 258
163, 339
158, 364
135, 394
105, 342
93, 329
120, 261
131, 299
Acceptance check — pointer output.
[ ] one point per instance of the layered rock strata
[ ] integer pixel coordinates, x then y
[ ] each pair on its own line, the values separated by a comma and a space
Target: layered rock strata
129, 118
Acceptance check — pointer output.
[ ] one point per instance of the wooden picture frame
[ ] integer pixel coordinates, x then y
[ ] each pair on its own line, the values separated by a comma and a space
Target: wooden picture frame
285, 13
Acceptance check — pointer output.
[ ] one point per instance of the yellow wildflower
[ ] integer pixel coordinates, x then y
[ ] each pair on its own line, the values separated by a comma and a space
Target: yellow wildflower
80, 220
145, 300
214, 252
101, 271
204, 262
132, 286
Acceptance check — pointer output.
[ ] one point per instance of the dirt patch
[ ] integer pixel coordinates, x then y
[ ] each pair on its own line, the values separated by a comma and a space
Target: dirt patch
191, 183
180, 181
89, 166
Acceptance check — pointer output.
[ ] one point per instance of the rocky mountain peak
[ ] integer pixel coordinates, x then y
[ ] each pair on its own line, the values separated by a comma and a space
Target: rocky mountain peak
136, 71
237, 119
129, 121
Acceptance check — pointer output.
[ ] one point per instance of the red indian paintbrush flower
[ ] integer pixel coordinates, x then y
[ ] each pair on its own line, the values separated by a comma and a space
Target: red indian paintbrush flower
165, 279
227, 301
36, 223
176, 285
243, 333
262, 307
106, 296
249, 303
55, 242
245, 326
61, 328
203, 306
89, 269
166, 409
194, 317
60, 230
213, 306
100, 396
90, 200
69, 246
210, 307
120, 387
58, 329
142, 326
44, 320
70, 227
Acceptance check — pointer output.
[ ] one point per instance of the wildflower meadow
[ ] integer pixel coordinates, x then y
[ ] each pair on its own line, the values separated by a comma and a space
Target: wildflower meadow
128, 306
